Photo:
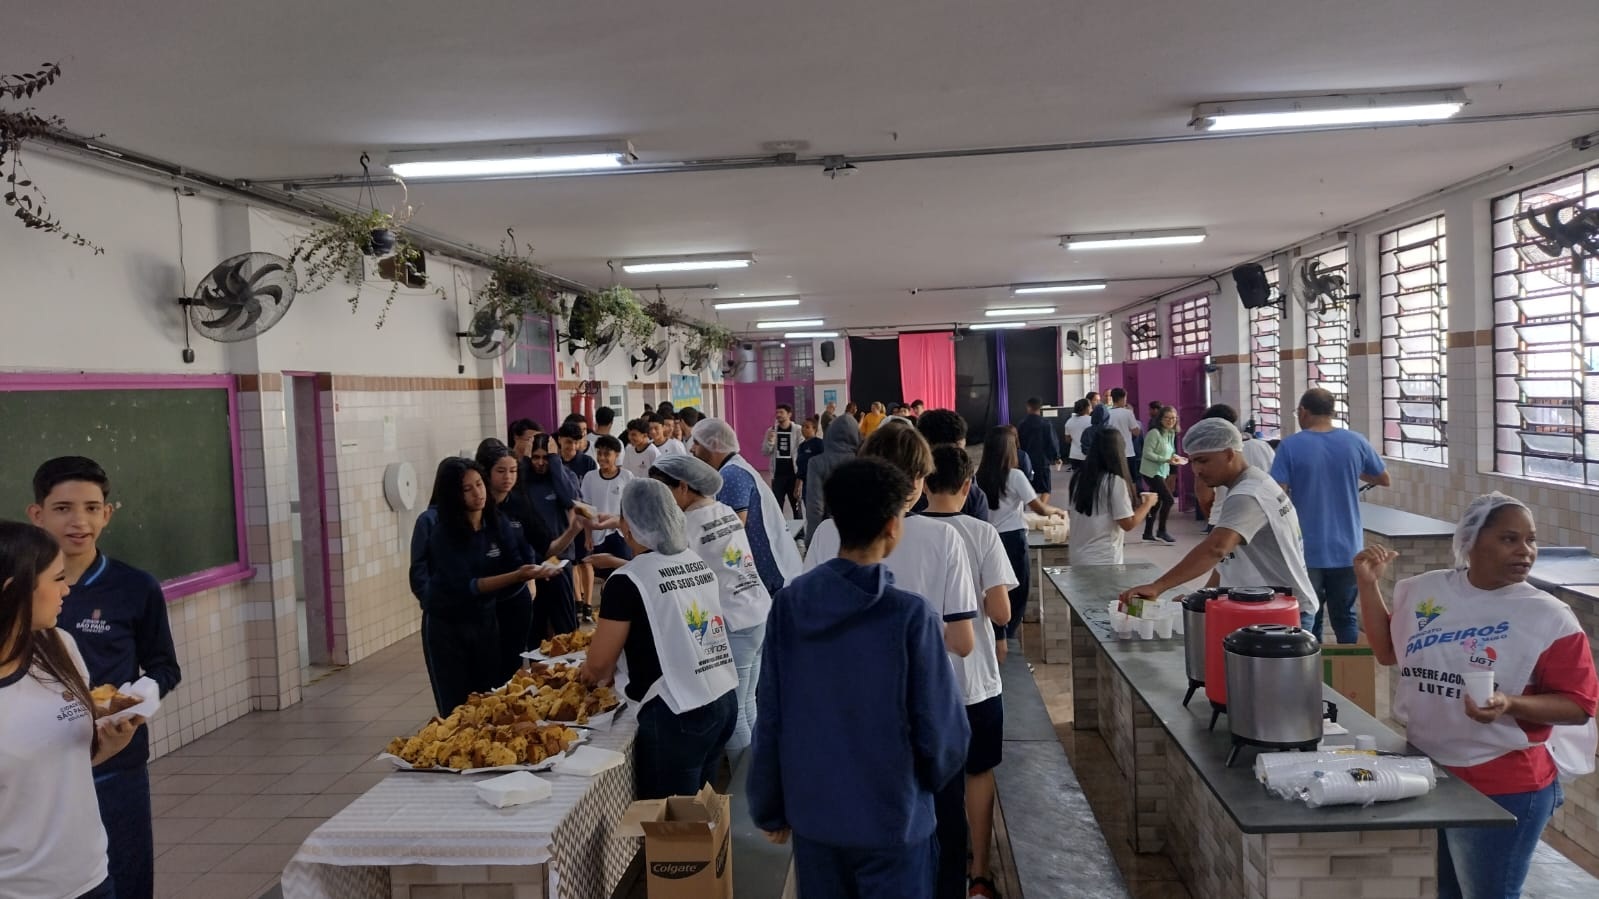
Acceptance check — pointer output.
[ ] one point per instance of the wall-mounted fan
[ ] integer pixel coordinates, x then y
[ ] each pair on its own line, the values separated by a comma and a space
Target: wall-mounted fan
652, 355
1319, 290
489, 336
601, 345
242, 297
735, 362
1141, 331
1554, 226
1074, 343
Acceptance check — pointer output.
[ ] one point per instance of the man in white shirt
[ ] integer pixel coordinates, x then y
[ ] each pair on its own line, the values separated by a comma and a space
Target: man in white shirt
640, 453
1125, 420
661, 438
1258, 453
1075, 426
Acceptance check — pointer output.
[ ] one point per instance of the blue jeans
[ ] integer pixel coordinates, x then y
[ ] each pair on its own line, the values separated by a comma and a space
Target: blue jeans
1335, 587
829, 872
675, 755
746, 646
1492, 862
1015, 543
125, 812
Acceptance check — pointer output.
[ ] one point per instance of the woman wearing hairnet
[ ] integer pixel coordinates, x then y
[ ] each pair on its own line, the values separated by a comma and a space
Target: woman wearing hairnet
1483, 616
663, 612
717, 536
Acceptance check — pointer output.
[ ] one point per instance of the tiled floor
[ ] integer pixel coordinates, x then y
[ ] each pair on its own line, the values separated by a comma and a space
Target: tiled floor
232, 807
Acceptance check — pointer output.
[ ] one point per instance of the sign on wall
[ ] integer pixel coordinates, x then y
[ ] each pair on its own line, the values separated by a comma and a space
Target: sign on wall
829, 396
686, 392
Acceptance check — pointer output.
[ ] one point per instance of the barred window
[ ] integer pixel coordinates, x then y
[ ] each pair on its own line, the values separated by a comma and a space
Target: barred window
1090, 343
1327, 336
774, 363
532, 351
801, 362
1190, 326
1546, 333
1413, 292
1143, 336
1265, 366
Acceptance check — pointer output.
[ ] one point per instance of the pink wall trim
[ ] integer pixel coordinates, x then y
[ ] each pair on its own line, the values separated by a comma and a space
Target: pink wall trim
189, 584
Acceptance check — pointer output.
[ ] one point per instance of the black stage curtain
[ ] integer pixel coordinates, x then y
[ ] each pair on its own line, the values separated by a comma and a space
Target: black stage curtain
974, 385
1032, 368
874, 372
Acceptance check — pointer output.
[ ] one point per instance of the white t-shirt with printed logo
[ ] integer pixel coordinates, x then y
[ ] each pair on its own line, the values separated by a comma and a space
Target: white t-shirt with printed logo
717, 536
929, 561
605, 495
978, 673
52, 843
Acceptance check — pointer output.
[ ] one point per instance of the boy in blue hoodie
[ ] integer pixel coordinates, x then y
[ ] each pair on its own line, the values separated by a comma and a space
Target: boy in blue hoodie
859, 719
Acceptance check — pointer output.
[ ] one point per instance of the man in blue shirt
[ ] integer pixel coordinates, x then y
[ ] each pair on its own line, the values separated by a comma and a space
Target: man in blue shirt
1322, 467
118, 617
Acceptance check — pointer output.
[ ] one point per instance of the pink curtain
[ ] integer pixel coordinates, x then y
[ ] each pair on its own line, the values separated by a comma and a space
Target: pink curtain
927, 368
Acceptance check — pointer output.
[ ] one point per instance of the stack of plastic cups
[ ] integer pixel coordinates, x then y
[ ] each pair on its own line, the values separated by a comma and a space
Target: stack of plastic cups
1363, 786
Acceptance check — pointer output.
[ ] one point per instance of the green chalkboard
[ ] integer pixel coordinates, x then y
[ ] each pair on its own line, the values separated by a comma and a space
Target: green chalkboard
169, 453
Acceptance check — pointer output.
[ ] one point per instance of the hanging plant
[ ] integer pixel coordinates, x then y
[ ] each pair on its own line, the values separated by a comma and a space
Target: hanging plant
337, 250
27, 201
597, 312
517, 287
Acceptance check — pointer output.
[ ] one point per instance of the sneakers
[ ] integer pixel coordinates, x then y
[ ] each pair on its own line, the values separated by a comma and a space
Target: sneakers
1151, 538
1166, 538
984, 888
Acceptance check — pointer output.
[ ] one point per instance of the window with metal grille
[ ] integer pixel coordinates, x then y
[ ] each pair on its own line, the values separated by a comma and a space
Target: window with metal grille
1413, 292
1190, 326
1143, 336
1107, 346
531, 353
1546, 334
774, 364
1327, 336
801, 362
1090, 341
1265, 366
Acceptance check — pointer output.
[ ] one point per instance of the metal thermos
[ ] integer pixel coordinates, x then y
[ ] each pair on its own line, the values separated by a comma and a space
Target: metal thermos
1274, 688
1239, 607
1194, 637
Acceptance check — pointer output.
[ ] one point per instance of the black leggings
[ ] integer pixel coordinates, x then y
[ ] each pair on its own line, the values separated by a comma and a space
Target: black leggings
1157, 486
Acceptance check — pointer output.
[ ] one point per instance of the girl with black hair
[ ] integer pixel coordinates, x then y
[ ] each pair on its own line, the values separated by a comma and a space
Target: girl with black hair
1009, 492
552, 609
52, 842
475, 559
1105, 503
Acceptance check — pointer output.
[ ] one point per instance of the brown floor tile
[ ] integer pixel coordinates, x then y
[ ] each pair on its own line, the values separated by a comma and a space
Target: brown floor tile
290, 830
359, 782
192, 858
207, 806
169, 765
310, 747
162, 803
171, 830
305, 784
276, 764
262, 858
335, 764
245, 783
173, 884
217, 764
272, 807
1158, 889
219, 885
183, 783
325, 805
232, 831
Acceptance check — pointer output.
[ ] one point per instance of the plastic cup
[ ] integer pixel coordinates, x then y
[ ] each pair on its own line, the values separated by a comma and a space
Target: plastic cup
1163, 627
1124, 624
1365, 741
1479, 686
1146, 628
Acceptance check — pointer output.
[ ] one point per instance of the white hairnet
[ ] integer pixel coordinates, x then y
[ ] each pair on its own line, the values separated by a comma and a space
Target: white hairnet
1476, 516
715, 435
653, 516
700, 478
1212, 435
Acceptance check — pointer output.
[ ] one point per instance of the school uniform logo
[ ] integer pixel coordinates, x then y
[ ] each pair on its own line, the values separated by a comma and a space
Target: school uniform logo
93, 624
494, 551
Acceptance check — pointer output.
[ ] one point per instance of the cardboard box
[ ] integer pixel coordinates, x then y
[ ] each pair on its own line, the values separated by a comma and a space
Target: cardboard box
687, 845
1351, 669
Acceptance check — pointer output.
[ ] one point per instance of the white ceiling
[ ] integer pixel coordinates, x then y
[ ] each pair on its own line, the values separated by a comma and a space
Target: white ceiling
301, 87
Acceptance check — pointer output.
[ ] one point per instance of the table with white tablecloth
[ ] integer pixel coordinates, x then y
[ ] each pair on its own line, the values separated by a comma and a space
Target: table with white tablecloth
417, 818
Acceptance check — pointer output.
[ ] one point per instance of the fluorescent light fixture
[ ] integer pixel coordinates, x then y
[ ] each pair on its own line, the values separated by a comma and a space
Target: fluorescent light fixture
500, 160
1332, 109
767, 303
997, 326
1062, 287
800, 335
795, 323
1115, 240
1020, 310
698, 263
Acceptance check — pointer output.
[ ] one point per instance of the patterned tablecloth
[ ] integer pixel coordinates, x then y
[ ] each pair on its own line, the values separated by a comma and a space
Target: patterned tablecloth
418, 818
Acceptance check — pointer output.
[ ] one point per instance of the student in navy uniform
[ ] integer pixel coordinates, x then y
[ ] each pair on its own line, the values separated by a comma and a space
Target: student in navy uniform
475, 558
552, 611
118, 618
422, 537
860, 719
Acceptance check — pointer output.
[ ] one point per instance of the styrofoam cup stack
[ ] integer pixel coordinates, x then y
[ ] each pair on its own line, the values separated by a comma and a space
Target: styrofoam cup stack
1363, 786
1163, 627
1146, 628
1286, 773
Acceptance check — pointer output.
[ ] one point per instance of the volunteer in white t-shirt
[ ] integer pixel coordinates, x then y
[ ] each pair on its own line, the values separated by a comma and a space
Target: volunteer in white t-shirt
1009, 493
1484, 617
52, 842
929, 560
717, 536
1257, 542
1101, 503
978, 673
1080, 421
1258, 453
664, 611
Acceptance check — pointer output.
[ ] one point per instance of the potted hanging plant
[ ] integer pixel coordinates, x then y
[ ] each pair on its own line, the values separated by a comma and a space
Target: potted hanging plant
615, 307
517, 287
18, 126
336, 251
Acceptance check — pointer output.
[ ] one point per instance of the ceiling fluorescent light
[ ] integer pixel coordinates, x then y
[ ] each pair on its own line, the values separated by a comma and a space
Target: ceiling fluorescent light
1020, 310
799, 335
500, 160
796, 323
1333, 109
698, 263
767, 303
1115, 240
997, 326
1062, 287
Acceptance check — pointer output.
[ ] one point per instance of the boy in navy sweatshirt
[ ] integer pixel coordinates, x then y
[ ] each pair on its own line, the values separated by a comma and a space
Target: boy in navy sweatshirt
118, 618
859, 717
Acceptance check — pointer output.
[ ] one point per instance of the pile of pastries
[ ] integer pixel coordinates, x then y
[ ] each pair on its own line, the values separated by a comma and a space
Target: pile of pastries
554, 693
565, 644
